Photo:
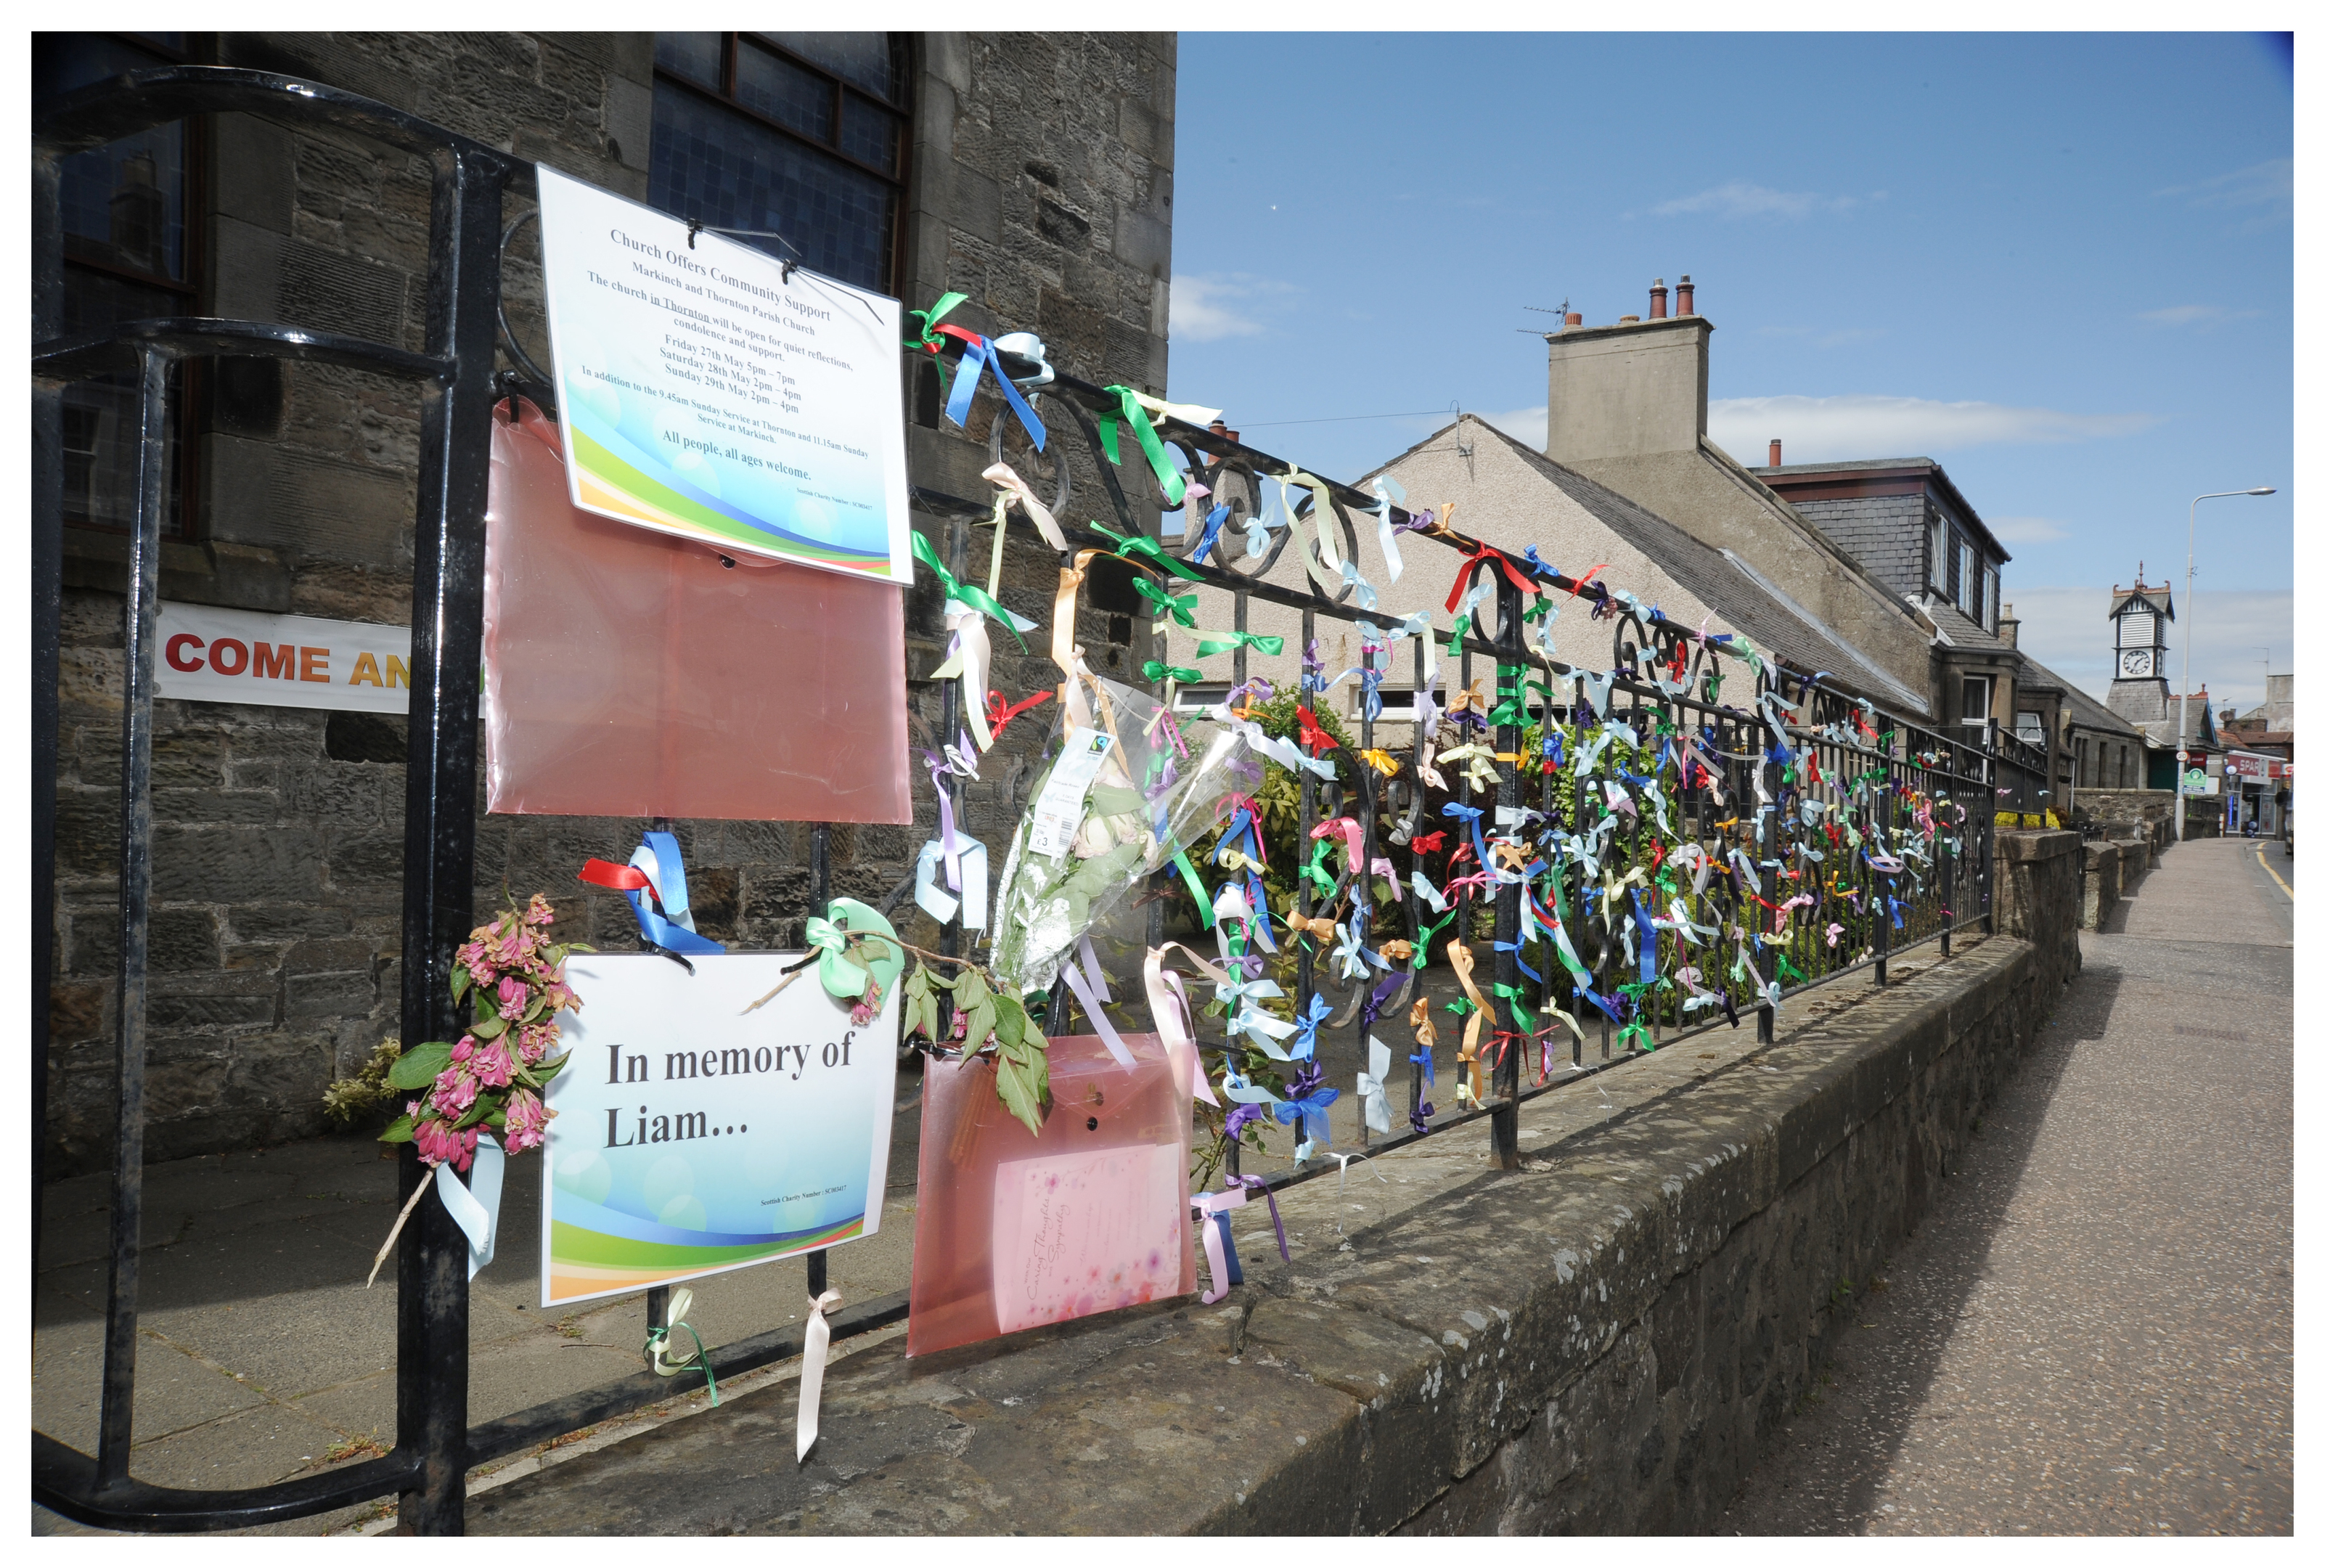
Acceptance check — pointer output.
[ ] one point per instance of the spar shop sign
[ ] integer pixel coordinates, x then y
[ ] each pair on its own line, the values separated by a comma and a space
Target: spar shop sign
208, 654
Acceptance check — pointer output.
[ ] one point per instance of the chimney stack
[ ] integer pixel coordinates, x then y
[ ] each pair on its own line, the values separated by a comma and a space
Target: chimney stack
1656, 311
1686, 296
1574, 318
1775, 454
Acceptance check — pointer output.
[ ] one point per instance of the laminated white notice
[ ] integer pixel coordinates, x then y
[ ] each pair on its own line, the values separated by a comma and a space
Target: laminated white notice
1058, 812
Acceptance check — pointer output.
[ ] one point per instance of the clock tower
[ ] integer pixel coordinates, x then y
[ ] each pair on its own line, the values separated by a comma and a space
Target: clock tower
2140, 691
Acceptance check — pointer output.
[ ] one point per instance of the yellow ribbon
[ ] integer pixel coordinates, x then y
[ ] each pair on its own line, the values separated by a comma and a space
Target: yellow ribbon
1382, 762
1478, 762
1458, 954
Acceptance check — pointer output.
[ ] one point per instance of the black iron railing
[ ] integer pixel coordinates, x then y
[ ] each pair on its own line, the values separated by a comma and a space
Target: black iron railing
1662, 680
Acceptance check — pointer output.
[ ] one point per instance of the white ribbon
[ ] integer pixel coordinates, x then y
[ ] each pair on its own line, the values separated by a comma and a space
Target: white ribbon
1015, 492
1185, 412
1166, 1000
818, 1346
475, 1205
1390, 493
941, 905
1089, 988
1372, 1088
971, 657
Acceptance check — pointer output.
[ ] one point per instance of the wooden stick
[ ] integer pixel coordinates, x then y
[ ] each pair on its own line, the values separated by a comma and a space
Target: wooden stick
409, 1205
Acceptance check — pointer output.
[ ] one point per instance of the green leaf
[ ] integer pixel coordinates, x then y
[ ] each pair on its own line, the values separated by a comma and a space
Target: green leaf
399, 1131
1020, 1090
417, 1067
970, 990
461, 981
489, 1025
1009, 1019
982, 1018
544, 1071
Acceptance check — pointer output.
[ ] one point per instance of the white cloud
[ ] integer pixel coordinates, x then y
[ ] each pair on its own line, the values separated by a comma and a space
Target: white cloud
1205, 308
2194, 315
2067, 629
1742, 199
2267, 186
1528, 426
1827, 429
2027, 530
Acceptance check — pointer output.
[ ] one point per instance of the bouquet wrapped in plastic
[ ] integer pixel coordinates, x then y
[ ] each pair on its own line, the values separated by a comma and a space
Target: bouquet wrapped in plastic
1125, 790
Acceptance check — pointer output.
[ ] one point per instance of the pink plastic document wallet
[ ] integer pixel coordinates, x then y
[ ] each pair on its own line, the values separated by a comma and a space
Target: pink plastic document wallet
629, 673
1016, 1230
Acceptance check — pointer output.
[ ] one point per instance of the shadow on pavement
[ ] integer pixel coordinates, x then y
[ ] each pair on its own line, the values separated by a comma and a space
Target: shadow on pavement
1823, 1473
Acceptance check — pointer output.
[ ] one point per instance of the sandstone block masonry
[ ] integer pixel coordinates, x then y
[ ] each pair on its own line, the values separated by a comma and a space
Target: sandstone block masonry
1039, 185
1600, 1342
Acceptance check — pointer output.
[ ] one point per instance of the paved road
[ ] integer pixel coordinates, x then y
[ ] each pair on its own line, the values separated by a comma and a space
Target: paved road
2092, 1334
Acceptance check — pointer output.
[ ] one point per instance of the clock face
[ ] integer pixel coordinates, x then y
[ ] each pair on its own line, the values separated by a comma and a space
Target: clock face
2136, 662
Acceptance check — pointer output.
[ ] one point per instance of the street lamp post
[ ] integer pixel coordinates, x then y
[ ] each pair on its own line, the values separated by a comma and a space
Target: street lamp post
2187, 653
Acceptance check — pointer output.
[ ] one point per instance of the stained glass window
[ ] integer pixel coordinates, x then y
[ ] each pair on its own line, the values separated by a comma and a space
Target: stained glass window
800, 134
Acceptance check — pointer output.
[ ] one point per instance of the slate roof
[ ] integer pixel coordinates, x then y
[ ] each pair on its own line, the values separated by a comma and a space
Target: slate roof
1959, 630
1884, 532
1736, 593
2090, 714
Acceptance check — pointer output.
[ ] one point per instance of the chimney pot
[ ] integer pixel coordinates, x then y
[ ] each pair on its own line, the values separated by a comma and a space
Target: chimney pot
1626, 322
1776, 454
1574, 318
1655, 297
1686, 301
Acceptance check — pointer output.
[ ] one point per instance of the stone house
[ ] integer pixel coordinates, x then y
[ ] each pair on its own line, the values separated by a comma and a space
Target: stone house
1032, 172
1503, 492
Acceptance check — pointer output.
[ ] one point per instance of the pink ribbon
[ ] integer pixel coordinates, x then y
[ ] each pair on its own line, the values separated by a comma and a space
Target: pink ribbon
1166, 1000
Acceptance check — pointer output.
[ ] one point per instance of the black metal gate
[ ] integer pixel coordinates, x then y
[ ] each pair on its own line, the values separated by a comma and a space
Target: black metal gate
434, 1447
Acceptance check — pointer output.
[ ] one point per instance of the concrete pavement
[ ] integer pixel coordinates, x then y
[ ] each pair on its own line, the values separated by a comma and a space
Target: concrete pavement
2093, 1333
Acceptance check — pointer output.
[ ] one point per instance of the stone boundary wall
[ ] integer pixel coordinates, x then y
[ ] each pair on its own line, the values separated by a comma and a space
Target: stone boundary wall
1601, 1341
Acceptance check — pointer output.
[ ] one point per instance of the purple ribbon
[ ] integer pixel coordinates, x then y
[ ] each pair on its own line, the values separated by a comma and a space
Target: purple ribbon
1259, 1184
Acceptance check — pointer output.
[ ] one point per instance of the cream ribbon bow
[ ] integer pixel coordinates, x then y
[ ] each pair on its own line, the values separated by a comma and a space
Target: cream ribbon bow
817, 1349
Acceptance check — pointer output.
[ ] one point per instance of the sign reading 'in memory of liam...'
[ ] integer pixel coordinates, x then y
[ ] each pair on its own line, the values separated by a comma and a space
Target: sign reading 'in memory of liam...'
701, 1129
704, 394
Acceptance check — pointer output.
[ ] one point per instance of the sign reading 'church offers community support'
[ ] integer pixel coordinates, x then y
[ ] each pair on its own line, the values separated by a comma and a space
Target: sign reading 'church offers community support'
706, 392
697, 1133
229, 655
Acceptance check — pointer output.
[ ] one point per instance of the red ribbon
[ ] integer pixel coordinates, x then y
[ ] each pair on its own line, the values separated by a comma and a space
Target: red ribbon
968, 339
1483, 556
625, 878
1313, 739
1579, 582
1429, 843
998, 712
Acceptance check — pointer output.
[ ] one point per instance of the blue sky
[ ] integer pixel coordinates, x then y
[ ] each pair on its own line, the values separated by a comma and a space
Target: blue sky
2061, 265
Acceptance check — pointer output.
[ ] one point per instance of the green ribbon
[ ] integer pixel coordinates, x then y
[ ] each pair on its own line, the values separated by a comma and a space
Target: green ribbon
1137, 546
928, 318
1517, 1004
1646, 1037
1421, 950
1314, 870
1220, 642
1195, 887
843, 974
656, 1338
1133, 412
1461, 630
1156, 670
1785, 972
1180, 608
969, 593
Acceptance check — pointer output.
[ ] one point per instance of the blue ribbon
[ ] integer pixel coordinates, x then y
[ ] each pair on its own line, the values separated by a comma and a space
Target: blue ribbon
1306, 1023
1307, 1111
1516, 950
1646, 939
1471, 815
669, 881
1211, 524
976, 353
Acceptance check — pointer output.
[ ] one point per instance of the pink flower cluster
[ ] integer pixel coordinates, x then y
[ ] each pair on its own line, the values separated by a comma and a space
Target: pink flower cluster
514, 969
